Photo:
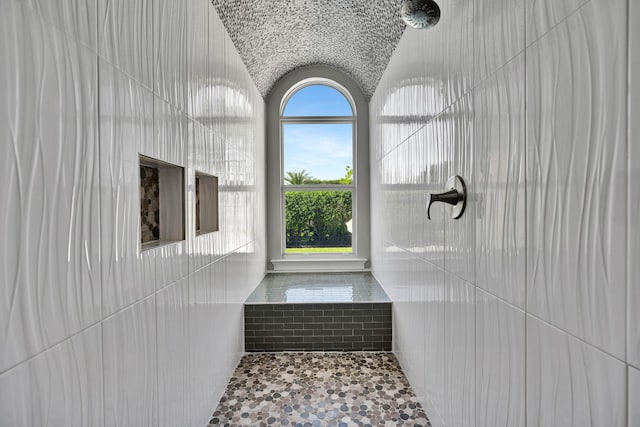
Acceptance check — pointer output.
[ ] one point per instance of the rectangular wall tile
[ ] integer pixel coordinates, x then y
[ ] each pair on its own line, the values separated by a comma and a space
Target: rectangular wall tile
409, 323
427, 174
500, 362
60, 387
208, 366
130, 366
434, 369
49, 255
126, 126
576, 169
570, 382
170, 43
459, 352
75, 18
543, 15
633, 266
458, 160
499, 183
173, 354
197, 21
498, 34
634, 397
125, 37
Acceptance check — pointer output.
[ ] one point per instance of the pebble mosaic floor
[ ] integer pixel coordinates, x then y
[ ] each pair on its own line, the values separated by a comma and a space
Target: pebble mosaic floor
318, 390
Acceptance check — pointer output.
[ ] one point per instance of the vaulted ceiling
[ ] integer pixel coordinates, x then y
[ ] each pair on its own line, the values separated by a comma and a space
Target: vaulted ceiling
274, 37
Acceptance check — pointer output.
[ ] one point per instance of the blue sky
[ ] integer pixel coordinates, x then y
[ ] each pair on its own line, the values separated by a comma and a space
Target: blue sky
318, 100
323, 150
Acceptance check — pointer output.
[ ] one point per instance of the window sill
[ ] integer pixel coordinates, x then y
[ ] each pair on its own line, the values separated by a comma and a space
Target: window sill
319, 264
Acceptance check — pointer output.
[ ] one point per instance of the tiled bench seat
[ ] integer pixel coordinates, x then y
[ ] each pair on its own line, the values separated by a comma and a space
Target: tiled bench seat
319, 312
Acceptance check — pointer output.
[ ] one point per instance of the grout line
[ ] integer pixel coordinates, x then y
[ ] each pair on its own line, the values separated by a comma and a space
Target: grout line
526, 219
628, 217
50, 347
571, 335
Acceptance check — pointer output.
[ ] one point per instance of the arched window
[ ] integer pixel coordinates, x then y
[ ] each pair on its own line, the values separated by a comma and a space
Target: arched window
318, 186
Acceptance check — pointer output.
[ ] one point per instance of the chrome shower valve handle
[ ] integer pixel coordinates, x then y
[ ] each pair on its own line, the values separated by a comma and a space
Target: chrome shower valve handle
455, 196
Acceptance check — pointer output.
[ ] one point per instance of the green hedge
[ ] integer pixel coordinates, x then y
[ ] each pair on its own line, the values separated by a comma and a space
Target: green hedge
318, 218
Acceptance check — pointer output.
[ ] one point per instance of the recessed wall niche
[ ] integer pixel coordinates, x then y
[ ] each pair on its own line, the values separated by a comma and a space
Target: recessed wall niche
161, 202
206, 209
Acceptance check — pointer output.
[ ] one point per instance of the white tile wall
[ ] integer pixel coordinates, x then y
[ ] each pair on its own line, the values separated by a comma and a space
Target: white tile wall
500, 362
76, 18
172, 311
634, 397
577, 175
49, 252
87, 319
633, 267
570, 383
131, 365
527, 294
499, 183
125, 37
58, 387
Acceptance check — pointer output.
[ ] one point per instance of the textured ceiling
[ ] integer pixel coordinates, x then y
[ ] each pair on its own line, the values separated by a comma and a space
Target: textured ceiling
274, 37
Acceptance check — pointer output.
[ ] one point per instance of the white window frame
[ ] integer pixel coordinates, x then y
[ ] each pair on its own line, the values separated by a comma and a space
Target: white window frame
352, 120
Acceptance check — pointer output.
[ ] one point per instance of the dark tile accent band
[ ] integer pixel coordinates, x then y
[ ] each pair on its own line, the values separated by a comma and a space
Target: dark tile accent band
318, 327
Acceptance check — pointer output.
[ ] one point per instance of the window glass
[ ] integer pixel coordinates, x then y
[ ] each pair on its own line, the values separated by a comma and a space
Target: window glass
317, 100
318, 221
318, 153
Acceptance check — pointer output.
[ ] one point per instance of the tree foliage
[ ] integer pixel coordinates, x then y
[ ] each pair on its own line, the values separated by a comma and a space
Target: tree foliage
318, 218
298, 177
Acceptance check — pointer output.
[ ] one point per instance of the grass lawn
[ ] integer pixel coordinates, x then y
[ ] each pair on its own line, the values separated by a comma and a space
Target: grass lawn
317, 250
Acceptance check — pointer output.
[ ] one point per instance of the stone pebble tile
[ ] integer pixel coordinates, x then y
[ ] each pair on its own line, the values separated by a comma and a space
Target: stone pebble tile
318, 390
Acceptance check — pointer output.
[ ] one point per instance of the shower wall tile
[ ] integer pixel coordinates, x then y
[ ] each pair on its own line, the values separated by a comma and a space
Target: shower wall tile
409, 326
197, 21
169, 51
500, 362
552, 203
576, 170
201, 158
418, 87
173, 354
434, 349
499, 183
634, 397
75, 18
172, 263
125, 37
207, 370
633, 266
459, 154
425, 151
154, 358
214, 109
126, 128
498, 35
170, 134
395, 197
575, 384
130, 366
459, 352
49, 255
543, 15
58, 387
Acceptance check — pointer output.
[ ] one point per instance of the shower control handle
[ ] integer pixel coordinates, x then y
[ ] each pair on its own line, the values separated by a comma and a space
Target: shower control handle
455, 196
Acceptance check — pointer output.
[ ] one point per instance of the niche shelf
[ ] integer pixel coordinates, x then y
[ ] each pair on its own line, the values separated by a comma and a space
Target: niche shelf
206, 203
161, 203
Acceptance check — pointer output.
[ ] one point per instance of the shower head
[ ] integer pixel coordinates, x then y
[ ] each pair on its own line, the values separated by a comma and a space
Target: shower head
421, 14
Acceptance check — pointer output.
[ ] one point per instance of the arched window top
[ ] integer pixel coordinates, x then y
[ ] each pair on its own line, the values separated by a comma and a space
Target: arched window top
316, 100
